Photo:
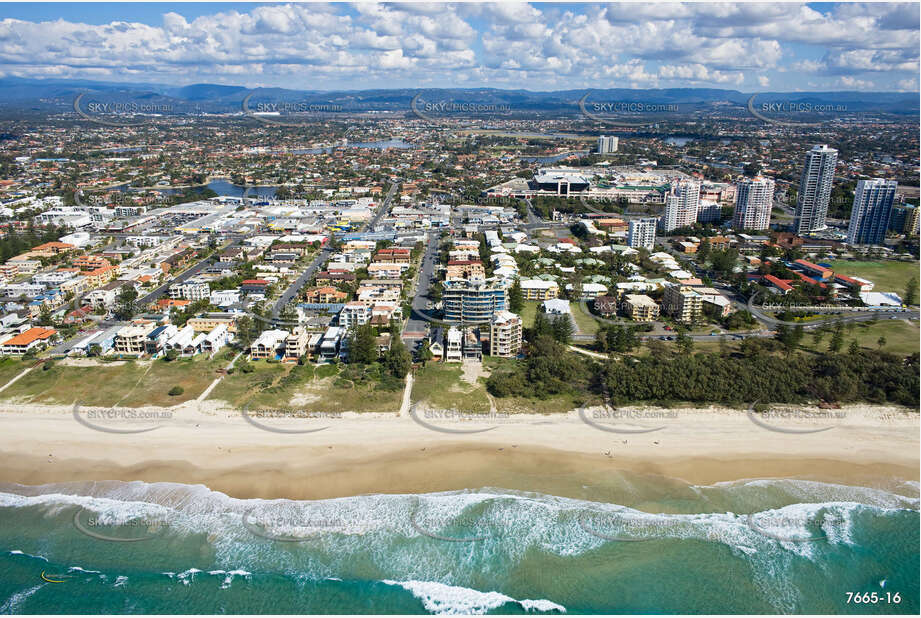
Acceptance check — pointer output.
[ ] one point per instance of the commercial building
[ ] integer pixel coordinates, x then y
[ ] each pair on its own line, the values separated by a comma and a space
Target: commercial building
642, 232
473, 301
640, 307
815, 189
505, 334
682, 303
607, 144
561, 181
681, 205
754, 200
870, 211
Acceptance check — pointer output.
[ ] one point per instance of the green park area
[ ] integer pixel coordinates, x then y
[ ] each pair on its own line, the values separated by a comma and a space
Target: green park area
887, 275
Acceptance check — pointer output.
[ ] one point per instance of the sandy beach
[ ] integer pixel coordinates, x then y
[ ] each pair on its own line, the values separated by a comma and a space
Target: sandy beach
350, 454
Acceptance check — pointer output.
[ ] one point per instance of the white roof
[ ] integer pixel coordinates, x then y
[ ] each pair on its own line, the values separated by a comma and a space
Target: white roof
556, 305
876, 299
537, 284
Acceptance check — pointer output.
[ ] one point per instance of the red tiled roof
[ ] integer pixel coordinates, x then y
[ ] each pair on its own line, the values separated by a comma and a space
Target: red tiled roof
33, 334
779, 283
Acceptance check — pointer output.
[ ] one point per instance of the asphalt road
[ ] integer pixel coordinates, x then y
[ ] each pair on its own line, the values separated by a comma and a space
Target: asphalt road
416, 322
324, 255
188, 274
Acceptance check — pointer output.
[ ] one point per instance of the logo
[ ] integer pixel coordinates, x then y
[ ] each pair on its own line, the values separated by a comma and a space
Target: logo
772, 419
131, 531
791, 108
272, 113
423, 109
622, 416
452, 522
452, 416
120, 420
632, 530
115, 109
605, 113
285, 414
778, 527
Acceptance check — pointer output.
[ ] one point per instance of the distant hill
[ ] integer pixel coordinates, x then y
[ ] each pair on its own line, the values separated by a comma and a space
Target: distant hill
51, 95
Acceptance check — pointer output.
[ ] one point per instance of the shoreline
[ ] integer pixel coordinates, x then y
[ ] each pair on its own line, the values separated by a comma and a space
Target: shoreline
353, 454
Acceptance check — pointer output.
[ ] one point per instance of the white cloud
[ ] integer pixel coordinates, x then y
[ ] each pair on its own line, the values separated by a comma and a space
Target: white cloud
518, 45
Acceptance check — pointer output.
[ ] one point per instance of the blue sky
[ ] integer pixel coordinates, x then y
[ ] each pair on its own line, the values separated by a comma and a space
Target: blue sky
537, 46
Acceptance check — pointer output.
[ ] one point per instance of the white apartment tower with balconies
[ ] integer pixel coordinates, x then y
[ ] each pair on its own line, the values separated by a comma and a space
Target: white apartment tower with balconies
815, 189
754, 200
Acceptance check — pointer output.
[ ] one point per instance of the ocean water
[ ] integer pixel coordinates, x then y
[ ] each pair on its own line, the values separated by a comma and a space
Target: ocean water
757, 546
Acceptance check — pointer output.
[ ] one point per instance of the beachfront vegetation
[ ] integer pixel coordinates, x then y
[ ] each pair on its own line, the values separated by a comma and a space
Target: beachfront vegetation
311, 388
441, 386
843, 365
123, 383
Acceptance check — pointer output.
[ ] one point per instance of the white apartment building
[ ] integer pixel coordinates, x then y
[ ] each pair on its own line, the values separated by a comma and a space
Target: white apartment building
754, 200
192, 289
607, 144
505, 334
354, 314
815, 189
642, 232
681, 205
871, 211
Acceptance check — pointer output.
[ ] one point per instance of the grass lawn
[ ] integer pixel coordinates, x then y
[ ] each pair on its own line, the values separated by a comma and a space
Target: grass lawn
587, 324
309, 388
238, 387
901, 336
441, 386
528, 311
10, 368
129, 383
889, 276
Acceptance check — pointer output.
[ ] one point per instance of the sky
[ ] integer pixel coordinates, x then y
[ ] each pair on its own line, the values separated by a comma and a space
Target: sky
748, 47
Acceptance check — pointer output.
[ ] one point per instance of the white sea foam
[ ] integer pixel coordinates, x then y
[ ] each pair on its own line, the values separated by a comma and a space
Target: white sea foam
120, 581
12, 605
403, 535
443, 599
19, 552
